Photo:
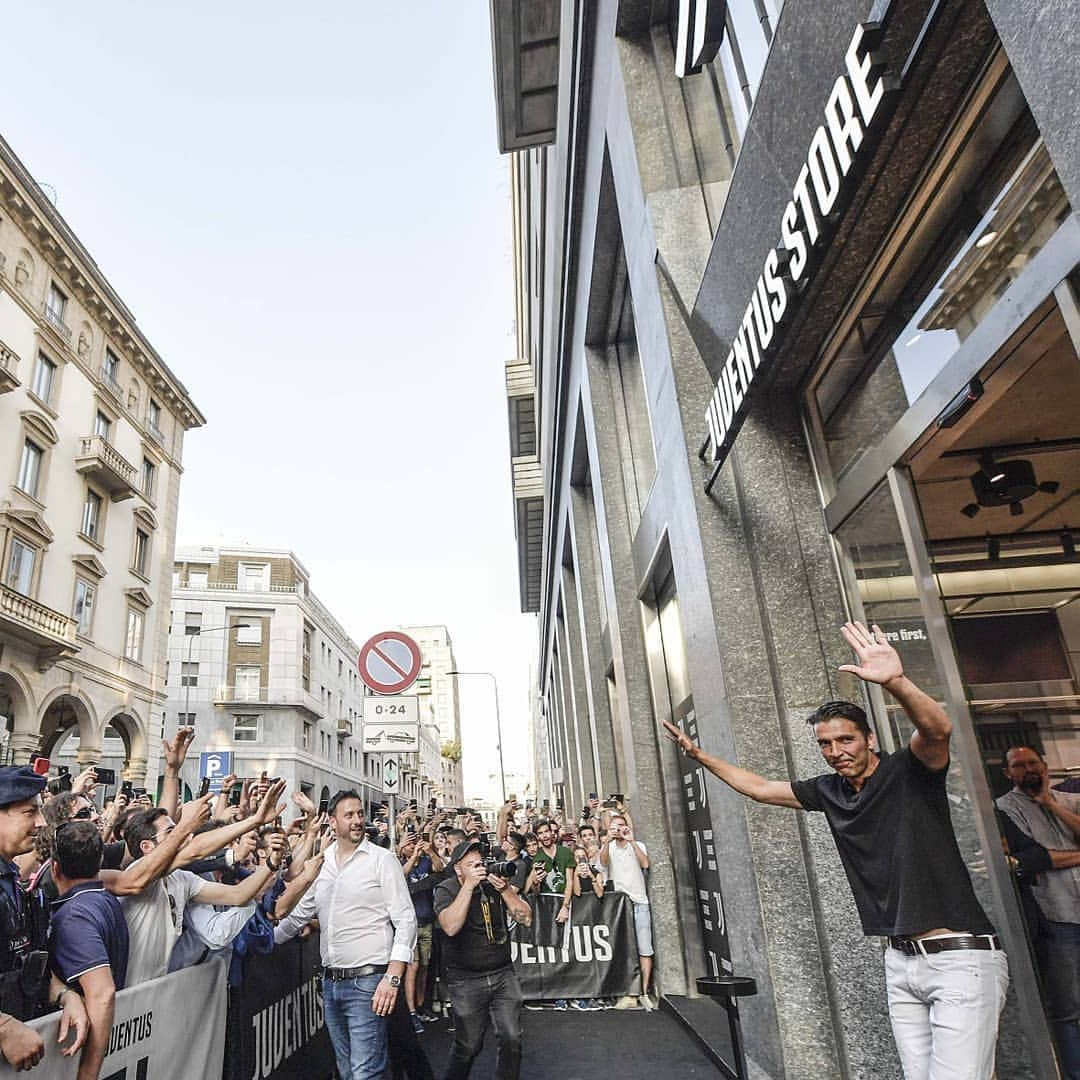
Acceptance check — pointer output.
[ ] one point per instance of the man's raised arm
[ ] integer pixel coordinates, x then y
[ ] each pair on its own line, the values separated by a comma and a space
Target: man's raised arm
149, 868
773, 792
215, 839
880, 663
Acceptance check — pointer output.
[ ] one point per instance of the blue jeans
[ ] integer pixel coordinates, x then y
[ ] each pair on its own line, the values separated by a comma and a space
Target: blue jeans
358, 1035
493, 995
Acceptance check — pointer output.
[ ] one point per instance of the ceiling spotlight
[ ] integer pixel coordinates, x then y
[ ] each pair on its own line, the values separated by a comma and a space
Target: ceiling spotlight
1068, 545
1016, 509
994, 472
993, 548
970, 510
986, 239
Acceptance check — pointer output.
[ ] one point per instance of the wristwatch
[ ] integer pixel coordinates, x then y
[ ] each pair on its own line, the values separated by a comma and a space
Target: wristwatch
393, 980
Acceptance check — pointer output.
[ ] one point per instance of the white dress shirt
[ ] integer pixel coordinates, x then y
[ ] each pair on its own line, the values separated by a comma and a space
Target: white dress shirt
365, 913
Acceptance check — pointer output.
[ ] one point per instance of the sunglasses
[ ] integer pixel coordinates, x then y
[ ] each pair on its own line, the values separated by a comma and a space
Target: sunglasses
83, 815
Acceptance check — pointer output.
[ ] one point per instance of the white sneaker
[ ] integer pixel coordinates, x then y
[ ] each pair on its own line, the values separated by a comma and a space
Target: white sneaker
628, 1002
647, 1003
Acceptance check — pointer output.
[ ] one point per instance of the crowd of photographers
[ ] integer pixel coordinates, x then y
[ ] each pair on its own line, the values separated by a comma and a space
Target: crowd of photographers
102, 891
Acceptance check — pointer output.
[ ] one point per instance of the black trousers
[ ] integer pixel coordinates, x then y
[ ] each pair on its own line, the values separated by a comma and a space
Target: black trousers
479, 999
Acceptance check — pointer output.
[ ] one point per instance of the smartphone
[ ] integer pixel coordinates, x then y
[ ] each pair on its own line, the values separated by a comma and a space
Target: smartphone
59, 784
204, 787
616, 797
138, 792
126, 789
107, 777
40, 765
236, 793
324, 807
592, 795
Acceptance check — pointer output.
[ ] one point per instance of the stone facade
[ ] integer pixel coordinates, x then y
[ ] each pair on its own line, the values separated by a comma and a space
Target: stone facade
92, 424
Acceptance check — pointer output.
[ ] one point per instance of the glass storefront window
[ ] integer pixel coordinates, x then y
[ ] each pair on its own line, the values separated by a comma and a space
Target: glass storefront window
872, 546
994, 207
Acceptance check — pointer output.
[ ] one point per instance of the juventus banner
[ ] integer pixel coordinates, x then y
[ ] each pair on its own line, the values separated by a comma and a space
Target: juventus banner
154, 1031
593, 954
703, 850
276, 1026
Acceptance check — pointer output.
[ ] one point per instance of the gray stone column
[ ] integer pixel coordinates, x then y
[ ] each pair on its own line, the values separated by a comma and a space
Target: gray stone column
24, 745
582, 711
1040, 38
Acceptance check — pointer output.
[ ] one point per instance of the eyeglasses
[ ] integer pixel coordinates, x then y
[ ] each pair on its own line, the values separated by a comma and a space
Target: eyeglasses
85, 814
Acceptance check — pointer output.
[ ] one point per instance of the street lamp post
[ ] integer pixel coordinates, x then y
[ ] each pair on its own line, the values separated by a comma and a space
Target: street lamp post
498, 722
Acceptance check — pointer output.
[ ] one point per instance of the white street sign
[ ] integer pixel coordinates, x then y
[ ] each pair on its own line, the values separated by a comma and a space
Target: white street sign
391, 776
391, 725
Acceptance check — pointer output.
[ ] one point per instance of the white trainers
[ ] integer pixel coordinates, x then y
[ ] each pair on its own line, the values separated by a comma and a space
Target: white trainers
647, 1003
628, 1002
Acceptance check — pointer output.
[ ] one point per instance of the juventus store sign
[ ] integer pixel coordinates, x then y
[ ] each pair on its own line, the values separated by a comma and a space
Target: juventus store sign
854, 111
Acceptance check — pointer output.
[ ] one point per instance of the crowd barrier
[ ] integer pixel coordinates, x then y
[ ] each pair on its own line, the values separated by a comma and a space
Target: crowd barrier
189, 1026
172, 1027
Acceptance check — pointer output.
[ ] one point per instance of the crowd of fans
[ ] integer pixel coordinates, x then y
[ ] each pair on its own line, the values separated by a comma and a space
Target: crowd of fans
552, 852
118, 890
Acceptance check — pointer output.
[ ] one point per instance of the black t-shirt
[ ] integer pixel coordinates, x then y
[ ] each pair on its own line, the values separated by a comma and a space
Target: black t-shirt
896, 842
480, 945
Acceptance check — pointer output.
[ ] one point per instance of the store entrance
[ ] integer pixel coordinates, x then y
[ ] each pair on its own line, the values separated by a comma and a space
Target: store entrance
998, 493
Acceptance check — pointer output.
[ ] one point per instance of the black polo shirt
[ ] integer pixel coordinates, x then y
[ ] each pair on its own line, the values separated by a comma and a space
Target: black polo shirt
896, 841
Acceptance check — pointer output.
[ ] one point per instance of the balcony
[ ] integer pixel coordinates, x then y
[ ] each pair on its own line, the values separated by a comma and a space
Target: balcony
56, 323
103, 463
51, 632
9, 369
268, 697
344, 727
109, 381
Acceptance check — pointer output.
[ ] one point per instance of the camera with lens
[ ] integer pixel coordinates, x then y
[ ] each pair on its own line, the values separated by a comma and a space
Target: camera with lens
500, 868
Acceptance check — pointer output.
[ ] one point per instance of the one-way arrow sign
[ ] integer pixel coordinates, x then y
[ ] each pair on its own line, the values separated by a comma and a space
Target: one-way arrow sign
390, 775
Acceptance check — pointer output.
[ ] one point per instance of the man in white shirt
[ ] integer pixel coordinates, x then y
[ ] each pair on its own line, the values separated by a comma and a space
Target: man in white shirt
367, 936
627, 860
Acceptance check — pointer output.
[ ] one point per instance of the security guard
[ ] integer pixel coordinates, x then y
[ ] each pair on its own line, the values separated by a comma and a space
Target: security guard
25, 983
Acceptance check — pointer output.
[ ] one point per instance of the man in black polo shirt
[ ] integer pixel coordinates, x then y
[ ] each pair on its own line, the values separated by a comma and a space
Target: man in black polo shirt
472, 908
889, 814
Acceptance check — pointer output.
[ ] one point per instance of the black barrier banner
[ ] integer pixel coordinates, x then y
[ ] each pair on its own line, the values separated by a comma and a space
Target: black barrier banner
594, 954
276, 1029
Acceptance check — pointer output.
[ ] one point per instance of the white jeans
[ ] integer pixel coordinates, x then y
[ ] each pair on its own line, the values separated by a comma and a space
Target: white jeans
944, 1011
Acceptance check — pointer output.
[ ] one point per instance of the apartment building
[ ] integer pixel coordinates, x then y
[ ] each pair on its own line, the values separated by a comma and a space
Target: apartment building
437, 690
92, 425
260, 668
798, 341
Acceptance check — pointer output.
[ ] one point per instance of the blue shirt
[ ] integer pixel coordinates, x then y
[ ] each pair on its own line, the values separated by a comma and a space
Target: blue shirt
422, 901
88, 930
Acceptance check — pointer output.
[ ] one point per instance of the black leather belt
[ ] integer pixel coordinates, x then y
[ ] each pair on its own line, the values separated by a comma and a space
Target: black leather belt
931, 946
341, 974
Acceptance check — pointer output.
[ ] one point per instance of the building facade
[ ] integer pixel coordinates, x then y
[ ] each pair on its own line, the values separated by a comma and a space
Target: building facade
92, 425
797, 341
260, 668
437, 690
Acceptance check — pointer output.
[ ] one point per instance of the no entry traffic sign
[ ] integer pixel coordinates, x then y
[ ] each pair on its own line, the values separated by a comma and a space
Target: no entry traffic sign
389, 662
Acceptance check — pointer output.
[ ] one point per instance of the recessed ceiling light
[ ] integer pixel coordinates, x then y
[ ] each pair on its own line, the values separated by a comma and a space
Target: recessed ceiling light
986, 238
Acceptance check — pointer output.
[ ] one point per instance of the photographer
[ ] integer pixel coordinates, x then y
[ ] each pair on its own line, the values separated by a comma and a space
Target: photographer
472, 910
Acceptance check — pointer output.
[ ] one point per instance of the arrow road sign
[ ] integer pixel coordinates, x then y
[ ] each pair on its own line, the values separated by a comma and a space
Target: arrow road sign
390, 777
389, 662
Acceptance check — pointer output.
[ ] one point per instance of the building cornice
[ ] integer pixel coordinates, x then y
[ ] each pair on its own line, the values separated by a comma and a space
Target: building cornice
74, 265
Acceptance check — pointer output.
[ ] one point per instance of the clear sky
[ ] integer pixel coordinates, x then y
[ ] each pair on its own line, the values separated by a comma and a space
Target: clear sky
304, 206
